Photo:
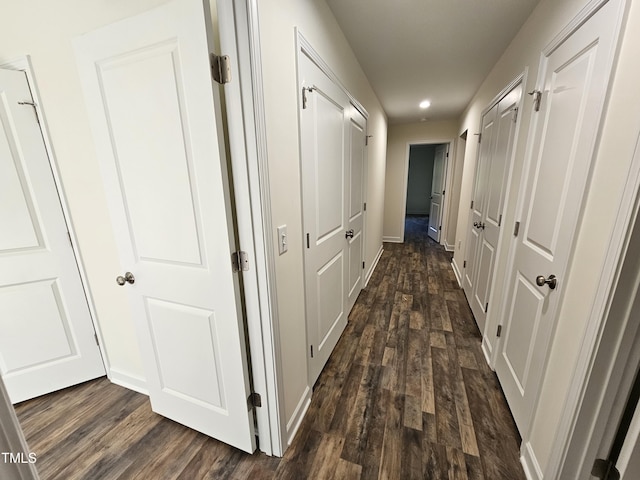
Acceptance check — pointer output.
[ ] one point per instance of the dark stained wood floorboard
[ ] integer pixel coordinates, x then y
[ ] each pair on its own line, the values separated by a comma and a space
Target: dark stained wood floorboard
406, 394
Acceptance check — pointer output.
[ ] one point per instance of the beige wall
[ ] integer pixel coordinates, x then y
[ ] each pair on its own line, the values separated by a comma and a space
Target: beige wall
619, 137
278, 19
399, 138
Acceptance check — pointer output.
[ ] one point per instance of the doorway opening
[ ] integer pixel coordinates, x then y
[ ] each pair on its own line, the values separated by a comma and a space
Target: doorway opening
427, 167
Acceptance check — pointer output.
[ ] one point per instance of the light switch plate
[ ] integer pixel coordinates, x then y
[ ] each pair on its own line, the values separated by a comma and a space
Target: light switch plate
283, 239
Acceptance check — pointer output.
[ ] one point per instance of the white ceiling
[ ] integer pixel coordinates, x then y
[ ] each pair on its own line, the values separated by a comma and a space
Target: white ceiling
439, 50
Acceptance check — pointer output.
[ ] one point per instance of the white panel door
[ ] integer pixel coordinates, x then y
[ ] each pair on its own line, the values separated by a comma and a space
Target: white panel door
355, 198
437, 188
478, 202
496, 169
155, 119
574, 85
46, 334
325, 128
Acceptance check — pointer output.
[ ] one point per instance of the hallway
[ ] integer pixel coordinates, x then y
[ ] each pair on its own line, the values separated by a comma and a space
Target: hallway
406, 394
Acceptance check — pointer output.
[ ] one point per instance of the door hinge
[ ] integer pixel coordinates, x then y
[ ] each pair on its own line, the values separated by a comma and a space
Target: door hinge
499, 332
363, 265
69, 237
605, 470
307, 240
311, 351
304, 95
479, 137
95, 336
500, 220
240, 261
365, 207
464, 264
254, 400
443, 192
537, 98
516, 229
440, 228
486, 307
366, 140
472, 204
515, 114
221, 68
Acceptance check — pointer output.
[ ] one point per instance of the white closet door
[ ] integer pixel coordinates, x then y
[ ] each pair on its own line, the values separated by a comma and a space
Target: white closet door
437, 187
325, 129
46, 335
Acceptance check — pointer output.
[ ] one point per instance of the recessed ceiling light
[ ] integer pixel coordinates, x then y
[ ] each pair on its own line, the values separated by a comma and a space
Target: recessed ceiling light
425, 104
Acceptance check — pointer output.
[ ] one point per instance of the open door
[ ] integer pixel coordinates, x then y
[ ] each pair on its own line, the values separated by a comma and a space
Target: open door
155, 119
437, 191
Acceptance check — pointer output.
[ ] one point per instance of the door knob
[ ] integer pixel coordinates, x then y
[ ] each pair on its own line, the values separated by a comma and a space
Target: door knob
349, 233
128, 278
551, 281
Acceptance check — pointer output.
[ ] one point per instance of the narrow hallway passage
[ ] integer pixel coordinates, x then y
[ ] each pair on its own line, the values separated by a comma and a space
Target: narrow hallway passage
407, 392
406, 395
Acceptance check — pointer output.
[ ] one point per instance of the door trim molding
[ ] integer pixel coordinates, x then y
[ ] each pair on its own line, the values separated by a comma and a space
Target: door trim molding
23, 63
240, 34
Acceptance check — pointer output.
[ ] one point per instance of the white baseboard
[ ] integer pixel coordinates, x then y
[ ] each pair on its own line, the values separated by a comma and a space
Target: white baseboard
529, 462
392, 239
456, 271
373, 266
127, 380
449, 248
296, 419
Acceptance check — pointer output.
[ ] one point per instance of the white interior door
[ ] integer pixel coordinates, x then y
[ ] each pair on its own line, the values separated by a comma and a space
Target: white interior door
486, 229
325, 129
478, 203
47, 338
155, 119
437, 188
574, 79
355, 195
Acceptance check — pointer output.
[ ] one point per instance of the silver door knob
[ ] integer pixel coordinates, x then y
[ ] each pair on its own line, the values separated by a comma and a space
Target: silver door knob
128, 278
551, 281
349, 233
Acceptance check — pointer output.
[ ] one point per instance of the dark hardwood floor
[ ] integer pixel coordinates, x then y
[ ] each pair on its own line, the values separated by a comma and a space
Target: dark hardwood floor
406, 394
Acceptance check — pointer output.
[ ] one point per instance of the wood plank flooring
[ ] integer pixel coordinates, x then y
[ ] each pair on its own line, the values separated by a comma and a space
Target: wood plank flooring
406, 394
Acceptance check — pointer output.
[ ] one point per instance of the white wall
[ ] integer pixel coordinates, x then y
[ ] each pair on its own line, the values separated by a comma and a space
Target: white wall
278, 19
399, 138
609, 175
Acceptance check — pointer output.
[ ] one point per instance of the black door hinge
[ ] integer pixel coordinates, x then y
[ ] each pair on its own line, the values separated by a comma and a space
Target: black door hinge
516, 229
605, 470
464, 264
254, 400
311, 351
499, 332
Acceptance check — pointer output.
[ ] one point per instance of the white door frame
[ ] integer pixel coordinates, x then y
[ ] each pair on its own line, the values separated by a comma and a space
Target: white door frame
23, 64
450, 142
